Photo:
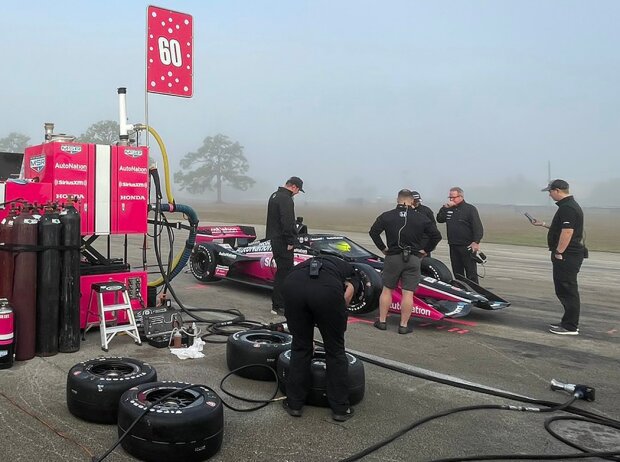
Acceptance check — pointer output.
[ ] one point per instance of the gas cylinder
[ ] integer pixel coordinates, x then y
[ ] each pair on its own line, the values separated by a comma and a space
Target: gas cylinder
6, 256
24, 296
69, 334
7, 338
48, 283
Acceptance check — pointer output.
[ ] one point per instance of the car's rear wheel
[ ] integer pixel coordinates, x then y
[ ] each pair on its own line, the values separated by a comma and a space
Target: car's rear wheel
202, 263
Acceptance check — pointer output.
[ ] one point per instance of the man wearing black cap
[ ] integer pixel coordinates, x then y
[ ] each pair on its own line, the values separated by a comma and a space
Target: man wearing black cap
424, 210
565, 241
281, 232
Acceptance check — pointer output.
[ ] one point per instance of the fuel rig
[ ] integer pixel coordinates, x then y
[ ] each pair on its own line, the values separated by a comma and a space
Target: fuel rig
68, 196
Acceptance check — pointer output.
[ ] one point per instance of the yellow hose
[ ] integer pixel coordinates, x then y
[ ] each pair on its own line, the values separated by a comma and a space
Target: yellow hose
164, 155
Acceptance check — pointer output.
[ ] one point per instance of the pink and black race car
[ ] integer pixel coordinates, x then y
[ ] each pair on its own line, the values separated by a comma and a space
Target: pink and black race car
232, 253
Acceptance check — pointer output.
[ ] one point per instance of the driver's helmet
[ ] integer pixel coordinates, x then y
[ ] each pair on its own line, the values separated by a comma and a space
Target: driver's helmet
341, 246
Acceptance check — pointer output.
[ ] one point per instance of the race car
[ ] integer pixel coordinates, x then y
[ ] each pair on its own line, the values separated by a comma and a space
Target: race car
231, 252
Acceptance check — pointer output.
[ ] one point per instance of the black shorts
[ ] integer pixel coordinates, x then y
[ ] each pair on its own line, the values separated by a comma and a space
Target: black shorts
396, 269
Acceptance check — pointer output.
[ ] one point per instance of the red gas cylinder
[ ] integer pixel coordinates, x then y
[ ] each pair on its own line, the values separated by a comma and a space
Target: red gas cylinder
24, 296
7, 337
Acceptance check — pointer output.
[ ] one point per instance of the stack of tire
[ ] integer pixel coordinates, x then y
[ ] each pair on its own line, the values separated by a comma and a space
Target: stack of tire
184, 423
265, 354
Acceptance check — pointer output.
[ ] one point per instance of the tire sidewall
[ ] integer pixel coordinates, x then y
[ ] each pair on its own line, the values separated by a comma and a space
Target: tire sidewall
435, 269
206, 272
94, 397
256, 347
368, 301
193, 432
317, 395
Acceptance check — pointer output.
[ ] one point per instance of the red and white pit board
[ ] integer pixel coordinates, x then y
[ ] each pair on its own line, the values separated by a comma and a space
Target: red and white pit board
169, 52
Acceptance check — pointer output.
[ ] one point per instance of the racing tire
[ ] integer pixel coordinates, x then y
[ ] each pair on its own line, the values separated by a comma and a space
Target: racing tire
318, 369
94, 387
366, 296
256, 347
202, 263
436, 269
188, 426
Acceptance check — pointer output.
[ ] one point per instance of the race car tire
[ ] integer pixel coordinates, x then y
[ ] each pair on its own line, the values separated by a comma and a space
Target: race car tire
94, 387
436, 269
188, 426
366, 296
202, 263
256, 347
318, 390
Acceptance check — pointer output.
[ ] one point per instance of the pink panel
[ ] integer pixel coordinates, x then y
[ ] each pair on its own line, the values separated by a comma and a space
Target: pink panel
85, 290
130, 189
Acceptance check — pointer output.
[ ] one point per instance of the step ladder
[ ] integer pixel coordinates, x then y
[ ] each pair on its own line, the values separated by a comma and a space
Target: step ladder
107, 332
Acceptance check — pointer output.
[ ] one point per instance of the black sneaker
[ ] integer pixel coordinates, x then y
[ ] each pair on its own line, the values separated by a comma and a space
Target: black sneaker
381, 325
555, 326
344, 416
277, 311
405, 329
291, 412
561, 331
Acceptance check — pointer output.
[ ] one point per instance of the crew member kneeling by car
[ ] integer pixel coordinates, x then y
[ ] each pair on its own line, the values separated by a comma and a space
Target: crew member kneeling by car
317, 292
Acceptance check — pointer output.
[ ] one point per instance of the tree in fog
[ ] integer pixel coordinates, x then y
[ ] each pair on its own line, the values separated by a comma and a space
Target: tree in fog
102, 132
219, 160
14, 142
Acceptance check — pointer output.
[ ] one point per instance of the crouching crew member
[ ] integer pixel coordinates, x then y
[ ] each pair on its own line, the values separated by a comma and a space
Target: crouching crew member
317, 292
410, 236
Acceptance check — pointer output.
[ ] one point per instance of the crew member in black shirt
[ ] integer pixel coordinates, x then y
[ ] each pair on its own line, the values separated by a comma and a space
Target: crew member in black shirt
317, 292
565, 241
281, 231
405, 230
419, 207
465, 232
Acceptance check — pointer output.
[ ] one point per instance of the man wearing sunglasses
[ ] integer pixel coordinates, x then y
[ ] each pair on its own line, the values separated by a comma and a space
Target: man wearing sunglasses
465, 232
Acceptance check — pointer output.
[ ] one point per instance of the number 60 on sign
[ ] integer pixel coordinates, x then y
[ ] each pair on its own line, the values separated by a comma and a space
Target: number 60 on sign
169, 52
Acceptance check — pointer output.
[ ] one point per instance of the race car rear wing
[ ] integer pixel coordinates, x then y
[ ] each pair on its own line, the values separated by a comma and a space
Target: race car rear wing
234, 235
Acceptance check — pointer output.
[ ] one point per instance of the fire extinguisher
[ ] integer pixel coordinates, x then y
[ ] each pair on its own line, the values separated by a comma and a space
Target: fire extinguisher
7, 336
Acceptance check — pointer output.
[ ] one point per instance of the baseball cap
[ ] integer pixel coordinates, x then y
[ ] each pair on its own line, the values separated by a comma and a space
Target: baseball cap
556, 184
296, 181
416, 195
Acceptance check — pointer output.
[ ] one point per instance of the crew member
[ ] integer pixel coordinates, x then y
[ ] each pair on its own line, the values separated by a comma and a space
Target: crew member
317, 292
565, 241
281, 231
465, 231
419, 207
404, 232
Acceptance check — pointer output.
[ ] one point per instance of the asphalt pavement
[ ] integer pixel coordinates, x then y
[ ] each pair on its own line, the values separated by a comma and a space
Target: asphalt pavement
488, 358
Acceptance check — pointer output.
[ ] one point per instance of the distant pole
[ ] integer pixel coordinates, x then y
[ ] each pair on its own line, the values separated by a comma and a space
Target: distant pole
549, 179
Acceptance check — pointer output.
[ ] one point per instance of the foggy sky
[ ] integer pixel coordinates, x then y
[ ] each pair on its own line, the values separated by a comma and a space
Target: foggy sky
359, 98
